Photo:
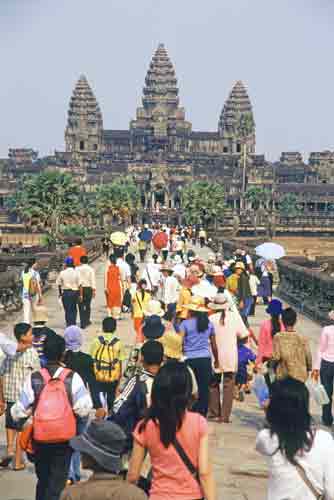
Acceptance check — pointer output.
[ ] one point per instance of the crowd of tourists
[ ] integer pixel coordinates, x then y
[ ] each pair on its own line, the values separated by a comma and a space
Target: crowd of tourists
138, 418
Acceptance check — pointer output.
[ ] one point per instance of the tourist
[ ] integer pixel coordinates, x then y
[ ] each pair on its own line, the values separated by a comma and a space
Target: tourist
291, 351
153, 328
170, 289
265, 286
253, 283
324, 366
232, 277
202, 237
140, 301
14, 371
124, 269
76, 252
226, 329
154, 308
198, 337
101, 448
31, 289
130, 259
40, 332
300, 457
105, 246
52, 459
107, 351
68, 283
268, 329
113, 287
246, 358
83, 364
179, 268
87, 291
244, 293
152, 275
176, 440
130, 405
185, 296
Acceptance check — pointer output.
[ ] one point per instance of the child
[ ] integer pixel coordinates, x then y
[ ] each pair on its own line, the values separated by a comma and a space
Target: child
107, 352
253, 283
245, 357
14, 372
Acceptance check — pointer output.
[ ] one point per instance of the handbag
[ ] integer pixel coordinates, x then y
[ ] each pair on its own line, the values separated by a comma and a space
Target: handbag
303, 476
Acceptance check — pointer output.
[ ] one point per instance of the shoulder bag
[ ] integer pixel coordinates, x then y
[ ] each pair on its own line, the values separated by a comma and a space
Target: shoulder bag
187, 462
303, 476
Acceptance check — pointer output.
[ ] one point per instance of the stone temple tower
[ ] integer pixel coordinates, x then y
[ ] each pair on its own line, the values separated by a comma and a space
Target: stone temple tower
84, 131
236, 122
160, 114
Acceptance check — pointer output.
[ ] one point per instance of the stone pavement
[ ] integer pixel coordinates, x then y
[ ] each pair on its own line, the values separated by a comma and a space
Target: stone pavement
240, 472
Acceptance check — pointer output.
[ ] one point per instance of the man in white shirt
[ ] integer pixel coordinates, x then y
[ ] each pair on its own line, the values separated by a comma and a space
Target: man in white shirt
87, 291
171, 290
152, 275
68, 283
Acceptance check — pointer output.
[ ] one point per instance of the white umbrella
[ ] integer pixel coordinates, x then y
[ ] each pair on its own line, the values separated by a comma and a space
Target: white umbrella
270, 251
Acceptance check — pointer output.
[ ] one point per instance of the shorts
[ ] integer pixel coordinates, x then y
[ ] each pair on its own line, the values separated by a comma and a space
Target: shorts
12, 424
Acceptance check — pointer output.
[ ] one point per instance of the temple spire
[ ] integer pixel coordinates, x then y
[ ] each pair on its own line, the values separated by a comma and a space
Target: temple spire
237, 106
84, 124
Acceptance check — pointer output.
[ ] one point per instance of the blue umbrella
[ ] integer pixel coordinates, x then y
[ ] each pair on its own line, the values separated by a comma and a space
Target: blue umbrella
146, 235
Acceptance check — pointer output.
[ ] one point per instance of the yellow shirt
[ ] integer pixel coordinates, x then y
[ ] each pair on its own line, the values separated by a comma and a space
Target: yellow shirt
118, 347
232, 283
139, 304
184, 299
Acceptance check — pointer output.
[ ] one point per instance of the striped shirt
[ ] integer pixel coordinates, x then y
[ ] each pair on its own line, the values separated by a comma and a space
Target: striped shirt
81, 400
15, 370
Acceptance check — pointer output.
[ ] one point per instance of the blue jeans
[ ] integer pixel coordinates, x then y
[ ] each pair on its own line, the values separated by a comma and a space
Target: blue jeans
245, 311
74, 470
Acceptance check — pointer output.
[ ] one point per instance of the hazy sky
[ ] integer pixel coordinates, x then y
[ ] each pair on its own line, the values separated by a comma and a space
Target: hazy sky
282, 49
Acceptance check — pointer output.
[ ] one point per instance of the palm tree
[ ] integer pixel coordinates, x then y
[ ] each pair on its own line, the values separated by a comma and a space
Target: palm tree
203, 202
50, 198
120, 198
288, 206
257, 196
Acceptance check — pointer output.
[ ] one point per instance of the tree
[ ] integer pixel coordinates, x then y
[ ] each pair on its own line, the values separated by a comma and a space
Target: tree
257, 196
203, 202
50, 198
120, 198
288, 205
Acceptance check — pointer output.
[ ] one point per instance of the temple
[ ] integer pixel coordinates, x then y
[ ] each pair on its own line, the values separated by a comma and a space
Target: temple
162, 153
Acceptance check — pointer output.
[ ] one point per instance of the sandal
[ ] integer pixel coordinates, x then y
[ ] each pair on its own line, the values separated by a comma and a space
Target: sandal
21, 467
6, 461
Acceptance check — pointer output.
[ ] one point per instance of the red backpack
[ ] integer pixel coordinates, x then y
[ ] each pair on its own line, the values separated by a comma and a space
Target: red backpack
54, 420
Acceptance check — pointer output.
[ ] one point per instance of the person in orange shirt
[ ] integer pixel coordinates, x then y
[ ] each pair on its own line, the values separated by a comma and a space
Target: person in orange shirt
76, 252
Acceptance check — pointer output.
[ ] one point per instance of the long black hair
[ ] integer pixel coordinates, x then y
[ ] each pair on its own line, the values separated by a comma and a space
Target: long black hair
289, 418
202, 320
275, 324
29, 264
171, 394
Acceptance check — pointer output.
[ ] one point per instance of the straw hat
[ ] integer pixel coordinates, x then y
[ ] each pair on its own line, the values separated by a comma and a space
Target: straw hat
220, 303
39, 314
195, 270
173, 345
154, 308
240, 265
197, 304
167, 268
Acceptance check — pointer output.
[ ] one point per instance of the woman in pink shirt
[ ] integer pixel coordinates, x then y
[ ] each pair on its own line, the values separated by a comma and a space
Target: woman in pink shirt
268, 330
324, 366
168, 432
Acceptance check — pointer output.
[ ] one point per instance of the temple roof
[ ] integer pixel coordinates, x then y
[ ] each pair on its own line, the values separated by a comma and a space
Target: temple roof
160, 81
109, 135
83, 106
237, 103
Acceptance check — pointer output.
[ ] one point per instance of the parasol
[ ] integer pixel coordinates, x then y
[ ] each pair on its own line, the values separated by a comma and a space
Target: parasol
270, 251
145, 235
205, 290
118, 238
160, 240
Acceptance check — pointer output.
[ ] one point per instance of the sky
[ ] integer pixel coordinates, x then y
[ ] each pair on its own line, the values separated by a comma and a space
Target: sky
281, 49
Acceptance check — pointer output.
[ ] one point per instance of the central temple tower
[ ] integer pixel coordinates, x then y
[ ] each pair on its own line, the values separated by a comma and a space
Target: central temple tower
160, 116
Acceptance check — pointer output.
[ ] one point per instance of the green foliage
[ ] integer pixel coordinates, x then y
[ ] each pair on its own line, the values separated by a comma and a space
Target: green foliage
257, 196
202, 202
119, 198
74, 230
288, 205
49, 198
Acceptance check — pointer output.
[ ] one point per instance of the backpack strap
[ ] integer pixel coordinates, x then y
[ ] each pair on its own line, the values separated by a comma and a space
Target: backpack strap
42, 377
